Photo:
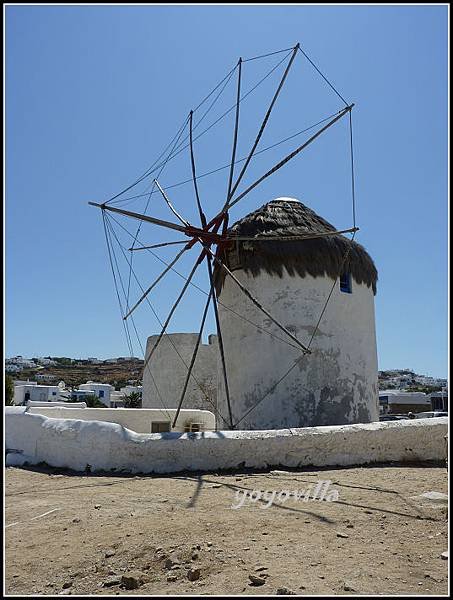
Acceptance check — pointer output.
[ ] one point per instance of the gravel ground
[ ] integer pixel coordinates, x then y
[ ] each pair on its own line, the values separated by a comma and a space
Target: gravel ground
72, 534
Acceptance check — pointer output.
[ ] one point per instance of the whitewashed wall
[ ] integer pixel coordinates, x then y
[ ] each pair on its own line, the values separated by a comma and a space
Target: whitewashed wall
40, 393
32, 404
169, 372
105, 446
135, 419
336, 384
101, 390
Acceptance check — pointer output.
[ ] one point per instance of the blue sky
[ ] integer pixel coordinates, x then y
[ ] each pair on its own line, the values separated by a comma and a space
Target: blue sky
94, 94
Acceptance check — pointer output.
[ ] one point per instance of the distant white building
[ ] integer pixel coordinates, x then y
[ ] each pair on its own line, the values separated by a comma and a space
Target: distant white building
117, 400
131, 389
94, 361
399, 402
46, 362
21, 362
45, 377
35, 392
431, 381
439, 400
100, 390
80, 395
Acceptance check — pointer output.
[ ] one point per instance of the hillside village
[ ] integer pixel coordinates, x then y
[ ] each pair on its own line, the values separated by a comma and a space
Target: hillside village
110, 381
405, 379
116, 371
126, 370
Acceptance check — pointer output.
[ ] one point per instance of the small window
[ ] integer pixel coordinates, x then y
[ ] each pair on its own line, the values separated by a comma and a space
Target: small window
345, 283
101, 393
193, 427
160, 426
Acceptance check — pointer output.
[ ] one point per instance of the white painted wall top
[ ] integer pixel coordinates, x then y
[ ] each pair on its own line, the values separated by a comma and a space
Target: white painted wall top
136, 419
110, 447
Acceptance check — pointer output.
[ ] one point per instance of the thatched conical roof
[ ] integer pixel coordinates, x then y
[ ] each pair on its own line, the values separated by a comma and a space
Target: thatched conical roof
318, 257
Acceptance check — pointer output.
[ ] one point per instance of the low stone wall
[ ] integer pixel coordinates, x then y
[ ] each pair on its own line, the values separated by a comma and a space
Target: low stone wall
138, 420
105, 446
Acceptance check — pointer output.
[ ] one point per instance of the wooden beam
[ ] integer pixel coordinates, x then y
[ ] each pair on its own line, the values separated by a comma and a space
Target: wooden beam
141, 217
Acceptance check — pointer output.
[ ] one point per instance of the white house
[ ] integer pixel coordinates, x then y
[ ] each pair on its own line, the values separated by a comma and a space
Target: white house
131, 389
42, 393
100, 390
81, 394
116, 400
46, 362
45, 377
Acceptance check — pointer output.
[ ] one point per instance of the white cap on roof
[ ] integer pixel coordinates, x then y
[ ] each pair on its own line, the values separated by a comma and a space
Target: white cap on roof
285, 199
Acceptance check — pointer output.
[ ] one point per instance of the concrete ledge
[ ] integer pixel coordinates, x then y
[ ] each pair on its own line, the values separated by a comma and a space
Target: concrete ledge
137, 420
74, 444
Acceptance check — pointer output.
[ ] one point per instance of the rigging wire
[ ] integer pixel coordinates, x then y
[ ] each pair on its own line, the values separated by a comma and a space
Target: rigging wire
245, 319
153, 167
262, 127
174, 137
109, 226
351, 143
176, 150
323, 76
142, 176
147, 204
168, 336
266, 55
342, 265
180, 183
226, 79
180, 149
136, 332
297, 361
126, 331
222, 116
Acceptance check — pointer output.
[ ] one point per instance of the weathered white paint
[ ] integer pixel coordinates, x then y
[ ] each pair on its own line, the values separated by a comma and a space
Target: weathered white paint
32, 404
164, 377
105, 446
136, 419
336, 384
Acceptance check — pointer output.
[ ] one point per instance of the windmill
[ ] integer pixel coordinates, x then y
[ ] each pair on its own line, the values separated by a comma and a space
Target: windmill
211, 235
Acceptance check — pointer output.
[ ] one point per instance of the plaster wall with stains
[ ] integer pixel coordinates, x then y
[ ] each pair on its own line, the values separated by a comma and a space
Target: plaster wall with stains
165, 374
336, 384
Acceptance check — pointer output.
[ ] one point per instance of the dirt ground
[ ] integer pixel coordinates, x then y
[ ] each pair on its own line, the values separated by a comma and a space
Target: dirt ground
73, 534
